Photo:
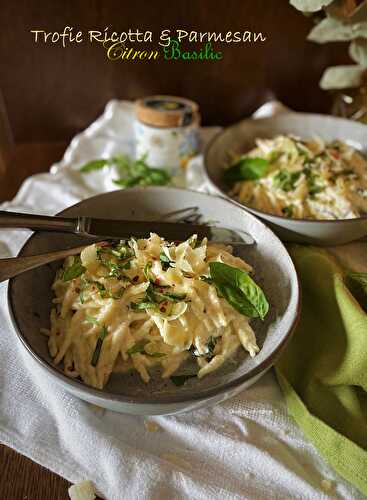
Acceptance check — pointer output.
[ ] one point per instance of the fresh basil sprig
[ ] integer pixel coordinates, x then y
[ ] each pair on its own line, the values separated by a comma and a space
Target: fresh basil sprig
246, 169
133, 172
239, 290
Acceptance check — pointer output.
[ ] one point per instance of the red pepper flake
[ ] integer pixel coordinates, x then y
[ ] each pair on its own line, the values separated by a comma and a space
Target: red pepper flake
157, 281
135, 278
162, 309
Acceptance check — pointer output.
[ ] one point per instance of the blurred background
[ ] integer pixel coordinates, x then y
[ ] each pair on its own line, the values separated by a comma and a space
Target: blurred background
49, 93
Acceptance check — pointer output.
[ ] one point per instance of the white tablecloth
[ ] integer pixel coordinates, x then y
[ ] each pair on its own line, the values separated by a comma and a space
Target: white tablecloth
247, 447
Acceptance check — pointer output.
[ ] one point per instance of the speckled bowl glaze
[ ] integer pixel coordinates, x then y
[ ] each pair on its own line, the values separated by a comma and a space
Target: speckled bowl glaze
29, 297
240, 138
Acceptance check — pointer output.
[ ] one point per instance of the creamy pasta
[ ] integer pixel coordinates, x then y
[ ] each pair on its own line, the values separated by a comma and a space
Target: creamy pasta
149, 303
303, 179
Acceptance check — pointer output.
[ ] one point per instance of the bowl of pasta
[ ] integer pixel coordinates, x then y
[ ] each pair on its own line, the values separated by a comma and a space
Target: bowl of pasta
304, 174
149, 326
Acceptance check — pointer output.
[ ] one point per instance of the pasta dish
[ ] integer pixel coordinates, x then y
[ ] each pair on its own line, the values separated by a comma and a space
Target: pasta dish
301, 179
146, 303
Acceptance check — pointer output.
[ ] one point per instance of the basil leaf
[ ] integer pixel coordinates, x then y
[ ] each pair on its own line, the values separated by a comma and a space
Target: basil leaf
246, 169
239, 289
180, 379
97, 350
74, 271
94, 165
138, 347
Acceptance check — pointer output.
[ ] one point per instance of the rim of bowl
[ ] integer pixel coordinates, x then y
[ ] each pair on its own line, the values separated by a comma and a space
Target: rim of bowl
261, 213
267, 363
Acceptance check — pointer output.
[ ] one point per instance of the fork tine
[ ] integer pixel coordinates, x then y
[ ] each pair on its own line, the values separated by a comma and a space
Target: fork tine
182, 214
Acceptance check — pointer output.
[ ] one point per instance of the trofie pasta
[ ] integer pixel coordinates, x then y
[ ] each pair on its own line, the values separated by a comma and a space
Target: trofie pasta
148, 303
301, 179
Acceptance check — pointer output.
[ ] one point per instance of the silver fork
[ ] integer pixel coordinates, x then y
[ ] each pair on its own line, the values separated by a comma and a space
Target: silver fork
11, 267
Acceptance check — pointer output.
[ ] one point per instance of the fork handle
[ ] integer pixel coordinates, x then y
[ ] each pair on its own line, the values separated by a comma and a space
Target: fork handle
39, 222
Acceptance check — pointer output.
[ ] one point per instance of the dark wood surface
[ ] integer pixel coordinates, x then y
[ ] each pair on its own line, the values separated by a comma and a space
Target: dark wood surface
25, 159
20, 478
51, 92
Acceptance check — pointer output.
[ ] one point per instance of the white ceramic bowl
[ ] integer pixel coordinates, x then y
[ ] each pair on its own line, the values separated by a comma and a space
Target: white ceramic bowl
127, 393
240, 138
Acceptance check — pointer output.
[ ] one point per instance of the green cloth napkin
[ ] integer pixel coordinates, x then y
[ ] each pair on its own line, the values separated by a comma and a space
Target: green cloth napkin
323, 372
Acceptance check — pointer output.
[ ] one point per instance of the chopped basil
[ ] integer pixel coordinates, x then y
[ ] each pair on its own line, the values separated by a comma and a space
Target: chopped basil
246, 169
108, 294
239, 290
84, 282
288, 210
97, 350
286, 180
165, 261
153, 298
180, 379
193, 240
312, 185
175, 297
142, 304
92, 320
115, 268
212, 342
74, 271
93, 165
147, 269
138, 347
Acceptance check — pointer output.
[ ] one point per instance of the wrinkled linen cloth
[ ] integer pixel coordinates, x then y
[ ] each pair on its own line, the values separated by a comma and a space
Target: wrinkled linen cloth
247, 447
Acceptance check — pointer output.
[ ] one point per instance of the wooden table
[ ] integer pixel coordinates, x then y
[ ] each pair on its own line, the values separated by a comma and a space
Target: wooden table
20, 478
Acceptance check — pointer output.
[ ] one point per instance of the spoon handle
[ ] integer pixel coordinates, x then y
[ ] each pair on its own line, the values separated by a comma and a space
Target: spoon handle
16, 265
